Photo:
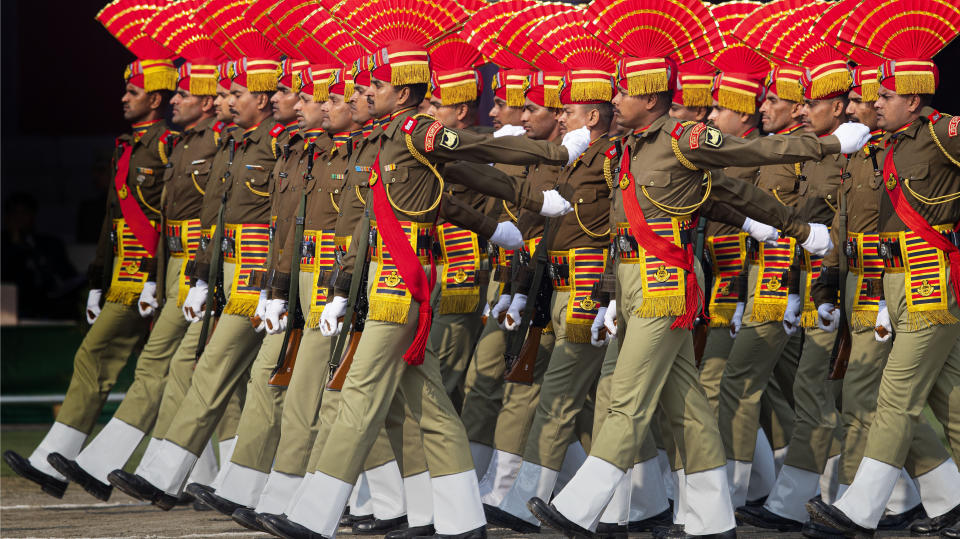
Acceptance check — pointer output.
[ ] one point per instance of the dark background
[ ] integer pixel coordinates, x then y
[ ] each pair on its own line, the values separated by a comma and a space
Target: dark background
61, 88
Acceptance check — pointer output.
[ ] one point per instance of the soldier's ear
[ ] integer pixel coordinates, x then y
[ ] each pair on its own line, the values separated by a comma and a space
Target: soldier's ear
462, 111
914, 103
206, 103
155, 100
263, 100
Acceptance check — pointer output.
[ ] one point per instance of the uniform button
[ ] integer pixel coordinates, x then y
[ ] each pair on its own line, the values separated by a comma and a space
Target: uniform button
580, 201
651, 182
335, 191
634, 158
829, 197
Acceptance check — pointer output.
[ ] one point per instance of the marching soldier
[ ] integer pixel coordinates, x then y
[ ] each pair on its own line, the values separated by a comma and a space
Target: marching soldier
184, 180
129, 239
243, 243
917, 222
665, 161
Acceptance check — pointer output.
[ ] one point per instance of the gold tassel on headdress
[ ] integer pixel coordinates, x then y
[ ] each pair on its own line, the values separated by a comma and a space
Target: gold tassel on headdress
648, 83
416, 73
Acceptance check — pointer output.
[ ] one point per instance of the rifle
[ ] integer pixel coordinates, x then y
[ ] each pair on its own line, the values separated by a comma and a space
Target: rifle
701, 327
291, 339
840, 355
359, 319
216, 299
354, 300
521, 353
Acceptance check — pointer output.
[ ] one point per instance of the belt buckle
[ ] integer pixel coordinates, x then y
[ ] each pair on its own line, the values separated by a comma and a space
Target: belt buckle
226, 245
338, 255
372, 236
850, 248
552, 271
307, 249
624, 245
204, 242
885, 250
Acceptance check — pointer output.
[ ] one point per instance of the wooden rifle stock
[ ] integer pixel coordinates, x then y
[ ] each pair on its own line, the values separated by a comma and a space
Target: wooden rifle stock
700, 333
840, 355
521, 370
336, 381
281, 377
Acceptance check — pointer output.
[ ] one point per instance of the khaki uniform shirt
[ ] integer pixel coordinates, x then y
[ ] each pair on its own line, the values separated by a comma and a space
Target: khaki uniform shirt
189, 172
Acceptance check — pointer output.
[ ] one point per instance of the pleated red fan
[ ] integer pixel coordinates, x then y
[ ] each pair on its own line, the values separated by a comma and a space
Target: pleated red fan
728, 15
453, 52
903, 28
741, 60
225, 23
125, 20
482, 29
257, 15
414, 21
684, 29
565, 37
761, 28
319, 35
210, 29
515, 35
471, 6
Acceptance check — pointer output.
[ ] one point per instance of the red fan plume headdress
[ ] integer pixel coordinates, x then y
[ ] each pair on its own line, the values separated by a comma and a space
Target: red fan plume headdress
125, 20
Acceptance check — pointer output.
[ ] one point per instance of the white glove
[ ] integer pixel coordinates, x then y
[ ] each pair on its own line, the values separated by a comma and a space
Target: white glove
193, 305
261, 312
276, 316
507, 236
852, 135
330, 323
828, 317
791, 317
883, 321
93, 305
818, 242
147, 304
736, 321
554, 205
510, 131
514, 313
760, 231
610, 318
596, 327
503, 303
486, 310
576, 142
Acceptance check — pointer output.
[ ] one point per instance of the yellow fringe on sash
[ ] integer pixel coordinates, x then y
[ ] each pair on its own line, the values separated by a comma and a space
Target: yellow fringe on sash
125, 286
123, 294
721, 315
458, 304
241, 306
918, 320
578, 333
388, 310
863, 319
656, 307
313, 319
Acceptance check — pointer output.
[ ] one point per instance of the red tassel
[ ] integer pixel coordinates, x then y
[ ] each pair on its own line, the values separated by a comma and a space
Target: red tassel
418, 348
694, 300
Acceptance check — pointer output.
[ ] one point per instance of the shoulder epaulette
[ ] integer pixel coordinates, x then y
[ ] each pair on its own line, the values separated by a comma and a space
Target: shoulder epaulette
951, 132
277, 129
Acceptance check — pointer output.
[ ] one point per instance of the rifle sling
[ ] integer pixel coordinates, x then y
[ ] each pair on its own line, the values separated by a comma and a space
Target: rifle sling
213, 281
540, 259
359, 269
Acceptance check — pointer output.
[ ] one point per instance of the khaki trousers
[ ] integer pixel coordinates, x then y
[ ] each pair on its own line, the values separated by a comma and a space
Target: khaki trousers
655, 366
142, 402
259, 429
760, 352
380, 453
923, 368
572, 370
369, 396
483, 387
648, 449
520, 403
301, 408
815, 427
861, 383
103, 353
453, 338
225, 360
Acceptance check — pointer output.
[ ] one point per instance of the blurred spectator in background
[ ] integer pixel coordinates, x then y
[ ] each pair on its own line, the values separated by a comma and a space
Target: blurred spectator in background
48, 286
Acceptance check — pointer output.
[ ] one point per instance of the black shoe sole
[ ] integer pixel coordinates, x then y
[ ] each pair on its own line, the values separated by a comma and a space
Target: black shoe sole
72, 471
747, 518
823, 518
555, 524
24, 469
499, 517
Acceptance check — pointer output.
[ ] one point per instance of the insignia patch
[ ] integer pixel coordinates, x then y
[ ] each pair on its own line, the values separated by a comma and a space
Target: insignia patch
612, 152
695, 135
935, 117
952, 126
409, 125
198, 161
431, 137
145, 170
218, 127
122, 193
277, 129
714, 138
254, 167
677, 131
449, 139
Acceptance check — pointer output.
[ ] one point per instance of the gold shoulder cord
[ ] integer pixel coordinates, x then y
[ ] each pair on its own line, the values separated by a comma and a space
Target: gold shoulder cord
162, 150
151, 208
940, 199
797, 170
681, 210
576, 212
829, 205
193, 176
255, 191
509, 213
273, 147
359, 196
334, 204
608, 173
423, 160
776, 195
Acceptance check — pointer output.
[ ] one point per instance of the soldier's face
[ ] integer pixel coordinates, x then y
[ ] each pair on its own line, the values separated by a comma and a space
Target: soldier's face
861, 111
310, 115
688, 114
729, 122
822, 116
282, 104
339, 115
504, 115
574, 117
385, 99
445, 114
539, 122
894, 110
136, 103
358, 104
187, 108
630, 110
244, 106
776, 113
222, 104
